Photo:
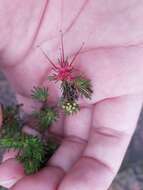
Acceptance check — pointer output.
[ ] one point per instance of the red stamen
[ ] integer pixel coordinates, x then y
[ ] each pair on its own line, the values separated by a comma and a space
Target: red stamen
62, 53
66, 61
60, 59
76, 54
64, 70
48, 59
55, 69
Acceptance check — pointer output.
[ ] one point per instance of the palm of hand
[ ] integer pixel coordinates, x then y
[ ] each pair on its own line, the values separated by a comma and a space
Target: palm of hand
101, 129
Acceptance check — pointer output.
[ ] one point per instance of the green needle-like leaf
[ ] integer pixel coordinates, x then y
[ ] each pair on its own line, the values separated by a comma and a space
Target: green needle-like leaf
46, 117
40, 94
11, 121
10, 142
32, 154
83, 86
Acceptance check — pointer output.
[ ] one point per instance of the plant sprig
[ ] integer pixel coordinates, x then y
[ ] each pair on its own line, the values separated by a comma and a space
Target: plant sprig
72, 91
12, 122
83, 86
46, 117
40, 94
33, 152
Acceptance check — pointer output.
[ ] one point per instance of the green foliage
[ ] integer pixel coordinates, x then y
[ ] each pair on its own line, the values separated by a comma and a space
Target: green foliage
32, 154
72, 90
40, 94
10, 142
11, 121
83, 86
31, 151
46, 117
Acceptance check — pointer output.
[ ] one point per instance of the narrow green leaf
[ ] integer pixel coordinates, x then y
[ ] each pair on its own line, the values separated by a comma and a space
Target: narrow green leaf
40, 94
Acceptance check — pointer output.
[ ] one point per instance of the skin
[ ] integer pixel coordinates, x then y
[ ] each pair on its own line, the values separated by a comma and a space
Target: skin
95, 140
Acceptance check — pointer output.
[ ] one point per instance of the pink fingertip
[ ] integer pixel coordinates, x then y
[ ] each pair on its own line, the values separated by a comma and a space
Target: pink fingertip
9, 154
11, 171
28, 130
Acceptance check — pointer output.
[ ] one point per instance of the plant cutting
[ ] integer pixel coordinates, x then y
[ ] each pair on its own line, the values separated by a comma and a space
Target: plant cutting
33, 151
73, 84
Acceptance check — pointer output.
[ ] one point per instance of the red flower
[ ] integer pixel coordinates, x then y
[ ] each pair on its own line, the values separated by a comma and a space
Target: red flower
63, 71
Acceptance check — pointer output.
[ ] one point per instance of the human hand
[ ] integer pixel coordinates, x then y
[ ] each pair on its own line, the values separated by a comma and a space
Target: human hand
94, 140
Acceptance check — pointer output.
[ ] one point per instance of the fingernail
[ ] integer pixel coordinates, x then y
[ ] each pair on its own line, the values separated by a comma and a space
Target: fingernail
8, 183
28, 130
9, 154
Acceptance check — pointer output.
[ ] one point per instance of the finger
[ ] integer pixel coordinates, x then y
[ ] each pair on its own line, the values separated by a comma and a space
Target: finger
113, 125
17, 173
58, 127
76, 131
29, 105
12, 153
48, 178
76, 134
10, 172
